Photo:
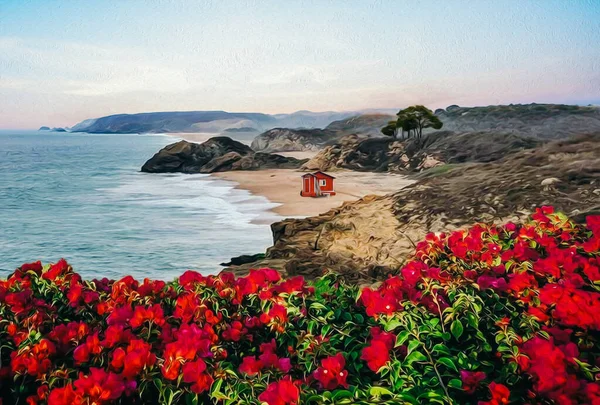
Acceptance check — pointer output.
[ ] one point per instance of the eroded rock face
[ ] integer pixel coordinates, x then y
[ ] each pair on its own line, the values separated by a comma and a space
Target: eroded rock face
215, 155
436, 149
287, 140
368, 239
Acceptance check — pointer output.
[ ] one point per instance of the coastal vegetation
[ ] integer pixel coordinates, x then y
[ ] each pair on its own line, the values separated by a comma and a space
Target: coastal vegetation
412, 119
488, 315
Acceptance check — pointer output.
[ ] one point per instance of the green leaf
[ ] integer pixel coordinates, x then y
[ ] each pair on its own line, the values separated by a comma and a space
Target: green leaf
392, 324
455, 383
341, 394
412, 345
447, 361
415, 356
401, 338
457, 329
440, 348
380, 391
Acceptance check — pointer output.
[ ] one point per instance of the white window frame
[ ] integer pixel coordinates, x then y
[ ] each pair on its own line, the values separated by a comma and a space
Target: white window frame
322, 182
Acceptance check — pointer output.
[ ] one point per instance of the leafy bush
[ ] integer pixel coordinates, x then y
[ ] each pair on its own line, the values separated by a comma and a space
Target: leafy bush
490, 315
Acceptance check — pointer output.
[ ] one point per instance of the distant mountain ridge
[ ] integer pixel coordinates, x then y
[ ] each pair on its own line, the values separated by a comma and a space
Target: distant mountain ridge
207, 121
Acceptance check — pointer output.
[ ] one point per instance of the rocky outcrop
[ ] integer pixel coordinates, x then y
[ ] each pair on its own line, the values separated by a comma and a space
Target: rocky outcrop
367, 125
368, 239
58, 129
215, 155
288, 140
44, 129
436, 149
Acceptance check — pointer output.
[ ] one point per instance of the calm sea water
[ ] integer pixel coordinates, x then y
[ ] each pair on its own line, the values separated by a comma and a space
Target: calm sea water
82, 197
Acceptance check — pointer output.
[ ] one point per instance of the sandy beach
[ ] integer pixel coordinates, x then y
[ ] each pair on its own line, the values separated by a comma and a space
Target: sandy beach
283, 186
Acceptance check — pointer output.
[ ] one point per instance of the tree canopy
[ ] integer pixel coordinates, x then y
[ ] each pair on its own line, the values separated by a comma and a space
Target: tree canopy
414, 118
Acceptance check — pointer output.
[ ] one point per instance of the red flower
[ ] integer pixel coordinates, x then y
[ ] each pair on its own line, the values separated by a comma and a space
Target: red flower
99, 386
268, 359
250, 365
376, 355
60, 268
331, 374
500, 395
194, 373
283, 392
138, 357
118, 358
81, 354
152, 314
547, 364
471, 380
64, 396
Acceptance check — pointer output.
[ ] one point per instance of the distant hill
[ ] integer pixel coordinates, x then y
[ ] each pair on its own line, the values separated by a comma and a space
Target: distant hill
163, 122
544, 121
287, 139
364, 124
210, 121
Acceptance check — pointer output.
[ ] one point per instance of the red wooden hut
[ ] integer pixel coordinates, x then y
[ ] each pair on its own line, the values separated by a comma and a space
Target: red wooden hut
317, 184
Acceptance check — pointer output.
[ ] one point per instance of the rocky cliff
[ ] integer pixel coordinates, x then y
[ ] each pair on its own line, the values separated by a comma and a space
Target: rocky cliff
215, 155
370, 238
439, 148
287, 140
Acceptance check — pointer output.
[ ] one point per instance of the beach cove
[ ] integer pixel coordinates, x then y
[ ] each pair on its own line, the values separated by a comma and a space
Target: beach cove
282, 186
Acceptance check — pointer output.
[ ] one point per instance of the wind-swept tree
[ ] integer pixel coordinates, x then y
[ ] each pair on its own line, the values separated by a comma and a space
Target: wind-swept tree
391, 129
418, 117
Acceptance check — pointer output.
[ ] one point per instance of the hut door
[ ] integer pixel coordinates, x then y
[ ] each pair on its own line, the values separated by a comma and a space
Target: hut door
306, 185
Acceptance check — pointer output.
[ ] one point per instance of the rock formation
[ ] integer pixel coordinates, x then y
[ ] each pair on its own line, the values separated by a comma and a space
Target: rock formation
286, 140
215, 155
436, 149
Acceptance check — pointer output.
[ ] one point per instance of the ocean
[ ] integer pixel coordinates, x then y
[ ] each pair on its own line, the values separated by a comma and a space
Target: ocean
82, 197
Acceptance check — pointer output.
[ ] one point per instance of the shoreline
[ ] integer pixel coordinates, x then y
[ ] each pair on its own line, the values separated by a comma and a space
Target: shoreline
282, 186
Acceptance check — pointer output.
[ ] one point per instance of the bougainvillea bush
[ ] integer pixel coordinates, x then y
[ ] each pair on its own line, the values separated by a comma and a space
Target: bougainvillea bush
490, 315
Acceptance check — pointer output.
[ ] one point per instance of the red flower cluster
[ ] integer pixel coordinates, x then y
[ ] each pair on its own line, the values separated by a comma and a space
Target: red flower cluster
377, 354
332, 374
471, 380
549, 268
500, 395
267, 359
219, 338
283, 392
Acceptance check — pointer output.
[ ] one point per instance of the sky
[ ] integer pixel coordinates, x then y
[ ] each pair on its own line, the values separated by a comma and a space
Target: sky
65, 61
